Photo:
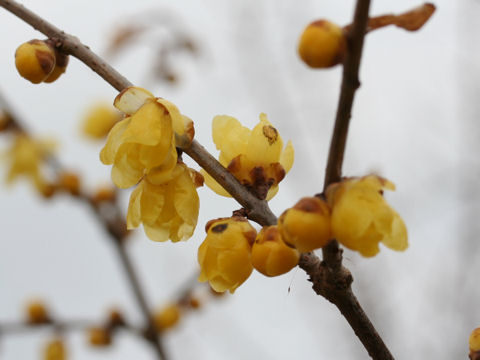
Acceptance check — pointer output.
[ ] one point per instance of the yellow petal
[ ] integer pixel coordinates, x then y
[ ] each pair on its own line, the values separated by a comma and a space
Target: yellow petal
114, 140
186, 202
131, 99
157, 232
150, 125
212, 184
152, 201
229, 136
287, 157
134, 213
398, 238
272, 192
265, 143
127, 170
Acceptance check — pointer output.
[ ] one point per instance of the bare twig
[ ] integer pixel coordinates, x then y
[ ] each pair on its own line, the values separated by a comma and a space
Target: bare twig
329, 277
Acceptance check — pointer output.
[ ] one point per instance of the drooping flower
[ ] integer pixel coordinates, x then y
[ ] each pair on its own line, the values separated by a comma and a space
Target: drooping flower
270, 255
225, 254
255, 157
306, 226
361, 218
26, 158
474, 344
99, 120
168, 209
145, 139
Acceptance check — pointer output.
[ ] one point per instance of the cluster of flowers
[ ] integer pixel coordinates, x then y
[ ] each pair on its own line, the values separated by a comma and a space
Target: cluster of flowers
354, 212
142, 149
39, 61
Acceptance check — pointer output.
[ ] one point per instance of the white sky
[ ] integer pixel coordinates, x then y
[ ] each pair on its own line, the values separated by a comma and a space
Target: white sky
406, 125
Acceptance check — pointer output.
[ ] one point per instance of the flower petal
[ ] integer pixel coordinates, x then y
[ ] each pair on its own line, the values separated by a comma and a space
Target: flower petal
287, 157
114, 141
126, 170
265, 143
131, 99
134, 213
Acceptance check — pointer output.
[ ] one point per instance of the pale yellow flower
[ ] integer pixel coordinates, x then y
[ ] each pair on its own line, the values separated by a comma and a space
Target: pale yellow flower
55, 350
256, 157
145, 139
26, 158
225, 254
99, 120
361, 218
474, 341
168, 210
270, 255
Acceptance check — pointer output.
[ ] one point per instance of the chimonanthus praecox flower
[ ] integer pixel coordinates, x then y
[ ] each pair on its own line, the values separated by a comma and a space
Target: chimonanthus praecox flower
474, 344
256, 157
361, 218
99, 120
26, 157
169, 209
145, 139
225, 254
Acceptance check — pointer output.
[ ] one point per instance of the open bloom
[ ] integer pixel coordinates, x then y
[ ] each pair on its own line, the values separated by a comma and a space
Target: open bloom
361, 218
145, 139
168, 210
26, 157
225, 254
256, 157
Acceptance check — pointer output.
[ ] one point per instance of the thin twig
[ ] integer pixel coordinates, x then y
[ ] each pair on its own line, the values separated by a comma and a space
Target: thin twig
332, 281
329, 277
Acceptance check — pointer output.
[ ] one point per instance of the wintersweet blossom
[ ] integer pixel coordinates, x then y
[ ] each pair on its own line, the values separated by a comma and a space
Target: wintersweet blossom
255, 157
55, 350
26, 157
474, 344
361, 218
225, 254
145, 139
99, 120
168, 210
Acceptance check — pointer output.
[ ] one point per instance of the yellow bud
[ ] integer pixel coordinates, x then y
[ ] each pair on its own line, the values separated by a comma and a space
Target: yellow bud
322, 44
167, 318
60, 67
225, 254
37, 313
103, 194
474, 341
99, 337
306, 226
55, 350
69, 182
270, 255
35, 60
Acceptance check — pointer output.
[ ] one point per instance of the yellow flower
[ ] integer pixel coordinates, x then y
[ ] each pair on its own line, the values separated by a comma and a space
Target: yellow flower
306, 226
26, 157
55, 350
270, 255
35, 60
474, 343
225, 254
361, 218
167, 317
322, 44
256, 157
145, 139
169, 209
99, 120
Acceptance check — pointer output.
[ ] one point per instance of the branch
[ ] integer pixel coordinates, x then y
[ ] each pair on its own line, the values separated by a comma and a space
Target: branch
330, 278
114, 223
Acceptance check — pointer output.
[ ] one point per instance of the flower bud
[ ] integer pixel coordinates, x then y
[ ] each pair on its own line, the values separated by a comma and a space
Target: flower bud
60, 66
225, 254
167, 318
69, 182
55, 350
474, 344
35, 60
99, 337
306, 226
270, 255
322, 44
37, 313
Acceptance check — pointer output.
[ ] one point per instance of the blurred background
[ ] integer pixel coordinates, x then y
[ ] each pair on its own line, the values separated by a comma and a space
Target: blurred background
415, 121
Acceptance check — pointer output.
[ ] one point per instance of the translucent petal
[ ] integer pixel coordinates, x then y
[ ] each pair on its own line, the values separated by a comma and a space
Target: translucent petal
265, 143
229, 136
150, 125
114, 141
166, 172
398, 239
287, 157
186, 199
152, 201
159, 155
272, 192
157, 232
177, 119
133, 213
131, 99
126, 170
